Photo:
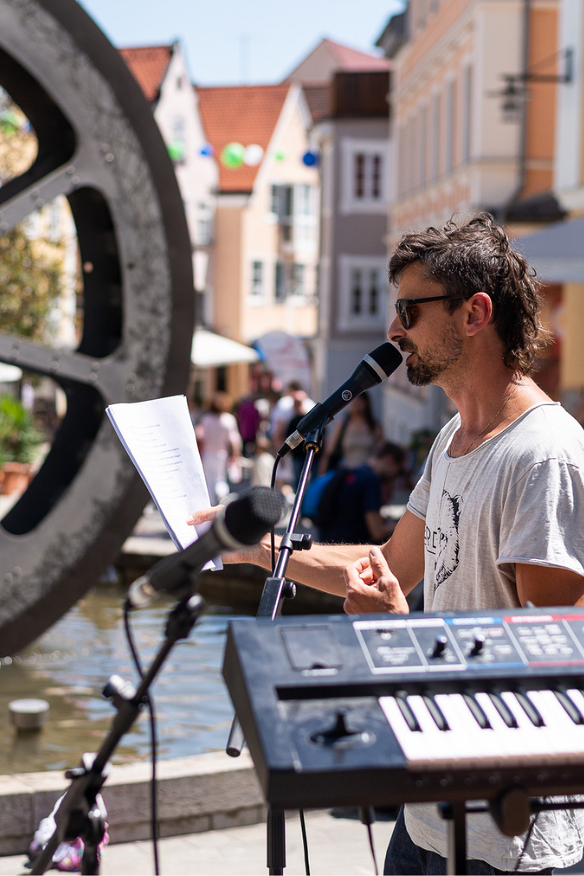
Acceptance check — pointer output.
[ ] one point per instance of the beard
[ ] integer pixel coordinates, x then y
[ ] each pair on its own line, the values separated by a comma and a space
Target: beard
430, 366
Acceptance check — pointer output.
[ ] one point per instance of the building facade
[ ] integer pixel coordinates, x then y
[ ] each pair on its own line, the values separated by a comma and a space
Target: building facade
473, 104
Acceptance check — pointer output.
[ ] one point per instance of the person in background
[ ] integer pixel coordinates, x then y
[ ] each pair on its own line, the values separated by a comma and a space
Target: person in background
248, 420
350, 507
220, 444
291, 406
298, 454
352, 437
263, 463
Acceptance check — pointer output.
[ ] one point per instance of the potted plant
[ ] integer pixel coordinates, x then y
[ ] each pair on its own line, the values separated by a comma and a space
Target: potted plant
19, 442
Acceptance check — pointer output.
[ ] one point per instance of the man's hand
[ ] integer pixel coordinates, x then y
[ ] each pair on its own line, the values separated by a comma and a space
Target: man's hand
253, 554
204, 515
372, 587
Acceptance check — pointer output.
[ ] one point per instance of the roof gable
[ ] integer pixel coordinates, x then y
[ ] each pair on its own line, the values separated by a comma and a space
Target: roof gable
245, 114
329, 57
148, 65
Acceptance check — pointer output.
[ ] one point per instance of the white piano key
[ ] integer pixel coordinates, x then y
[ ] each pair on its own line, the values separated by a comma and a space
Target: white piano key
567, 736
467, 745
412, 742
468, 739
577, 698
532, 738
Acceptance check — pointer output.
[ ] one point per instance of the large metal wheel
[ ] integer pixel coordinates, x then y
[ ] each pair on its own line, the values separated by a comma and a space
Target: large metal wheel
98, 146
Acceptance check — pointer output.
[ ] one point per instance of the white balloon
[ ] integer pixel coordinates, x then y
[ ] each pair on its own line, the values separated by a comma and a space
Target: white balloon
253, 154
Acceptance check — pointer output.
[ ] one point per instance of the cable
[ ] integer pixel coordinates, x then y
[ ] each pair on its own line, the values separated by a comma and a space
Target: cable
304, 842
153, 742
367, 816
273, 529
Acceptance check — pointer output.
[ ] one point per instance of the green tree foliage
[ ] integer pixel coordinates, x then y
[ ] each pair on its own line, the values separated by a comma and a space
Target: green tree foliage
19, 437
30, 283
30, 269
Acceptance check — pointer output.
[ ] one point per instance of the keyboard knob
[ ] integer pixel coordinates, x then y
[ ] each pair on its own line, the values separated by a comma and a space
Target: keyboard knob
440, 644
477, 646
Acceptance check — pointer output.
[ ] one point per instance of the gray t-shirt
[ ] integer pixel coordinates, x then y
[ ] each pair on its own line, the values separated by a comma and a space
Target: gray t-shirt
517, 498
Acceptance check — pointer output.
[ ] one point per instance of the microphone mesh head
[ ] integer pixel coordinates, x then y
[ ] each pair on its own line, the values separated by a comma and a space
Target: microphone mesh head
387, 357
251, 515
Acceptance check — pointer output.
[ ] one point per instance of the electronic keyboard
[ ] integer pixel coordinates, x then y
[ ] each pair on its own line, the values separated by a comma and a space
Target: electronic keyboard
385, 709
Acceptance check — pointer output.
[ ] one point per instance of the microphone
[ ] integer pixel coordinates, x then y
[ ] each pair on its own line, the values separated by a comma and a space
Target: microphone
374, 368
239, 524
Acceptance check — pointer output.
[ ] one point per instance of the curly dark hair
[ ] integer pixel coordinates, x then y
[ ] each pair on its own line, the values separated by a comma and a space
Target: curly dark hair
476, 256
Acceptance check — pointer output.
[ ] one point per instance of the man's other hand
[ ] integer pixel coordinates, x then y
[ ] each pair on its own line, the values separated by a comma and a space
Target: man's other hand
372, 587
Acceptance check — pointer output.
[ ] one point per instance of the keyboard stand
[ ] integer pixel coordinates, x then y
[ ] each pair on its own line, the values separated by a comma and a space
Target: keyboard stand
455, 815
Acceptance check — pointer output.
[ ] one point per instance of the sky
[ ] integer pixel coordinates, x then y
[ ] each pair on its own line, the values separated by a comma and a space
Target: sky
235, 42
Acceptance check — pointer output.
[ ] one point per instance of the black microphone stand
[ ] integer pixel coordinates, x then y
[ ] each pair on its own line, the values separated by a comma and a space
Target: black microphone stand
276, 589
78, 814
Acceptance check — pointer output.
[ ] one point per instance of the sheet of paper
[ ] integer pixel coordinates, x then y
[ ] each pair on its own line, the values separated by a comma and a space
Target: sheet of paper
160, 440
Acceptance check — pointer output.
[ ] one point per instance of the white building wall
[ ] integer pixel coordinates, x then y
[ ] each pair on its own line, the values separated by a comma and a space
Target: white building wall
197, 173
569, 145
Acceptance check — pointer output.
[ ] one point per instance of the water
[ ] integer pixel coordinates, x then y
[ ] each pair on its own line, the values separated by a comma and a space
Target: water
69, 665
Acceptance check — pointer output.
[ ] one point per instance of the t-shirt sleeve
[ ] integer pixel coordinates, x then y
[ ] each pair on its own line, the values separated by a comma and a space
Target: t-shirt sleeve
543, 516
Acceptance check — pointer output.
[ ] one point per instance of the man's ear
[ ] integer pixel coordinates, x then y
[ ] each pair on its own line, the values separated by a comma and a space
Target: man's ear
479, 313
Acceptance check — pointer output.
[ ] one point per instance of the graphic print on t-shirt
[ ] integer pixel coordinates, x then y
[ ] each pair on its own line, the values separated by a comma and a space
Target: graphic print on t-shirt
448, 543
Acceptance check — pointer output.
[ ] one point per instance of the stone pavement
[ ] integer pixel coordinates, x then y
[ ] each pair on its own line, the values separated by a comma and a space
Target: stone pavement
336, 845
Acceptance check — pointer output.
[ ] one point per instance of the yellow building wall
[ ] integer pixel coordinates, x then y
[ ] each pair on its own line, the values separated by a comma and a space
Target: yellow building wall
262, 238
541, 102
572, 360
228, 255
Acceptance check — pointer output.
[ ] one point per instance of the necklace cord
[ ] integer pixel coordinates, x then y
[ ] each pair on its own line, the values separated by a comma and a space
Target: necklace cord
491, 421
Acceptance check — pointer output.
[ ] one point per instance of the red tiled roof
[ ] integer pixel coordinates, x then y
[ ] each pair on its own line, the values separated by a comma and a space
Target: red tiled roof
245, 114
148, 65
353, 59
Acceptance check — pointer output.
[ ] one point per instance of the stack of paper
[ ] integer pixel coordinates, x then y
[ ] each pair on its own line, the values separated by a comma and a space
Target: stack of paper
160, 440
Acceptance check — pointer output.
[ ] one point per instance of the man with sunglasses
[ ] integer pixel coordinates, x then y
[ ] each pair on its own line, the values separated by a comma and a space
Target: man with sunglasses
495, 520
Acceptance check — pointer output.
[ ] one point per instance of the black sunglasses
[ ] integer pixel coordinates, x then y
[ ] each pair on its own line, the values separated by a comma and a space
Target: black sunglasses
406, 307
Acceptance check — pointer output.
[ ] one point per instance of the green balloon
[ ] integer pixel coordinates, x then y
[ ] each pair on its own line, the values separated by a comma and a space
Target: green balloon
232, 155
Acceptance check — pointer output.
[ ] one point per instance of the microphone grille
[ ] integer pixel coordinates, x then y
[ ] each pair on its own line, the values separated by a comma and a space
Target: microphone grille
253, 513
387, 357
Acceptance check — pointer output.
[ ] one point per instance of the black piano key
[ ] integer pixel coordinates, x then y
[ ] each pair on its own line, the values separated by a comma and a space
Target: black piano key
503, 710
570, 706
530, 710
406, 710
436, 712
477, 712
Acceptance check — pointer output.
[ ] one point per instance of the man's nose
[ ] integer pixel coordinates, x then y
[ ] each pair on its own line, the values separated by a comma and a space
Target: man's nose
396, 330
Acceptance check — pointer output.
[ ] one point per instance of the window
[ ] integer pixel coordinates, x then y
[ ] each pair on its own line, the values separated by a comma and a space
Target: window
282, 206
204, 229
279, 282
435, 139
295, 210
367, 176
449, 124
401, 177
257, 279
364, 183
466, 114
297, 279
305, 220
289, 280
363, 293
422, 146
